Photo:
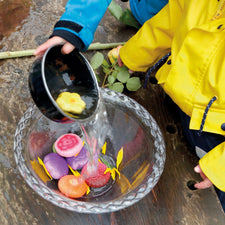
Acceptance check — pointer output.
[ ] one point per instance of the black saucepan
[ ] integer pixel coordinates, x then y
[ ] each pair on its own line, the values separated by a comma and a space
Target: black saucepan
54, 73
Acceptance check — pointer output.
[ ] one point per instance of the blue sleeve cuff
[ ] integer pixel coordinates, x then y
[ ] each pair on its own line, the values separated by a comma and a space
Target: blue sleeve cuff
85, 36
70, 37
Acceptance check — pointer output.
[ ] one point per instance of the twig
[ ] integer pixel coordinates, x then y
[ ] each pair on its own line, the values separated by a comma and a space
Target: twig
98, 45
8, 55
30, 52
107, 74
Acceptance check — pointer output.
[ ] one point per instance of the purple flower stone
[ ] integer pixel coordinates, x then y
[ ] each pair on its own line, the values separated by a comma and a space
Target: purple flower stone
78, 162
56, 165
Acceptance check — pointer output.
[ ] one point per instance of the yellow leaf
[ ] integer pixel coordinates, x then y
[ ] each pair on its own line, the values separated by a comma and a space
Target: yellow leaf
88, 190
74, 172
140, 176
140, 169
113, 174
116, 170
119, 157
39, 170
104, 148
124, 183
46, 171
107, 170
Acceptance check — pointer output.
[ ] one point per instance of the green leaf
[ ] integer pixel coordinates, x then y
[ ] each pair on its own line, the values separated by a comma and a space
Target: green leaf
133, 84
128, 19
111, 79
114, 73
106, 70
115, 10
106, 67
116, 67
105, 63
123, 75
106, 162
117, 87
97, 60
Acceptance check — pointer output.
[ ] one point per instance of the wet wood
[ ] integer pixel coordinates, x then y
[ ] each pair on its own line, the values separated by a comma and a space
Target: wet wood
170, 202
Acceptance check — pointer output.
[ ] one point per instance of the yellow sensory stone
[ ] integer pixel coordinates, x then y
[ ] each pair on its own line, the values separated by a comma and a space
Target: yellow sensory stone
70, 102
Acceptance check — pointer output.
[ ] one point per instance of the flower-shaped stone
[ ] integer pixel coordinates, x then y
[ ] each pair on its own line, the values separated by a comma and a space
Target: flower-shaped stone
70, 102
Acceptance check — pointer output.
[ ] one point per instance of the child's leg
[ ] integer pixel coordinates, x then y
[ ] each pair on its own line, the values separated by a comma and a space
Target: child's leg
145, 9
205, 141
202, 144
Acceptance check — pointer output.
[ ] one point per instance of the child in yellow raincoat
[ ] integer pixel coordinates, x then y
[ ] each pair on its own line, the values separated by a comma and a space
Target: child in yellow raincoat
193, 76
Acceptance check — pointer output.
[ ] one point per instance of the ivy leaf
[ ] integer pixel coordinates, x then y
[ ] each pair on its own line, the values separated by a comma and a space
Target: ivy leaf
133, 84
115, 10
111, 79
117, 87
123, 75
97, 60
128, 19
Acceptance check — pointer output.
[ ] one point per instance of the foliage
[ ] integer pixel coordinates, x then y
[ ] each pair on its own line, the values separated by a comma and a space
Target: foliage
125, 16
116, 78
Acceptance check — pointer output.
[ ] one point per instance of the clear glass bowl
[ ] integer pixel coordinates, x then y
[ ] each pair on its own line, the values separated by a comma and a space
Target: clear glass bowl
132, 128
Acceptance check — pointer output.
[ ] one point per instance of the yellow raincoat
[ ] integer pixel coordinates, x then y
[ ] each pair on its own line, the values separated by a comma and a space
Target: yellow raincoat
194, 32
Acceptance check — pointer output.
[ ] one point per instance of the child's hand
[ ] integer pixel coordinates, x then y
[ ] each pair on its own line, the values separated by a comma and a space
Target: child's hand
206, 183
120, 63
66, 49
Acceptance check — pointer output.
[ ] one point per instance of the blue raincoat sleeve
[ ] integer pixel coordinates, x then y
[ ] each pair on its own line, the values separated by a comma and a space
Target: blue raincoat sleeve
80, 20
143, 10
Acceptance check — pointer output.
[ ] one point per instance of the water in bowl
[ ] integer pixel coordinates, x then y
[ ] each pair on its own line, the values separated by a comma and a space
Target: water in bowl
94, 135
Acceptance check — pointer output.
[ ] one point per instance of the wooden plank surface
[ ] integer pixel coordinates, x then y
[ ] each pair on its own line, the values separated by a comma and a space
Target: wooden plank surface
171, 202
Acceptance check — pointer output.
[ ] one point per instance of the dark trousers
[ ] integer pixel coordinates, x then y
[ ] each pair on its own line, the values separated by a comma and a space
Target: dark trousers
206, 141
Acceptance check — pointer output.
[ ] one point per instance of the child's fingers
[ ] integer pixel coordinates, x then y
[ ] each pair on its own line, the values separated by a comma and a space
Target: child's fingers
198, 169
67, 48
40, 50
52, 41
131, 71
120, 62
206, 183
